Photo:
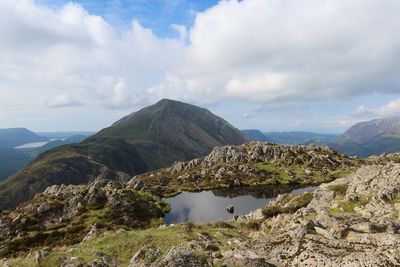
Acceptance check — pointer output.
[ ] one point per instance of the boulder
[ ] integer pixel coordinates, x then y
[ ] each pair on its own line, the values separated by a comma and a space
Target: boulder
249, 258
145, 256
180, 257
230, 208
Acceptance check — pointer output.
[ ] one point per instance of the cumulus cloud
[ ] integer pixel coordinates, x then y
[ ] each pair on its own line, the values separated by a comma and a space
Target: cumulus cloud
257, 51
123, 97
390, 109
71, 52
63, 101
266, 51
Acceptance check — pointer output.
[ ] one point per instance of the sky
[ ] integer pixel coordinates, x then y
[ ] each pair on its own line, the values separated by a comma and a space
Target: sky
316, 65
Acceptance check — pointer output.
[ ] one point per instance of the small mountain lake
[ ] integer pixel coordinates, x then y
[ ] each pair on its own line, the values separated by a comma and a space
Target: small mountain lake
210, 206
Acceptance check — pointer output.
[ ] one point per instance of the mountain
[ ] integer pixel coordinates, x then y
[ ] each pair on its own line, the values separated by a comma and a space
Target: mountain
370, 138
255, 135
170, 130
13, 137
148, 139
288, 138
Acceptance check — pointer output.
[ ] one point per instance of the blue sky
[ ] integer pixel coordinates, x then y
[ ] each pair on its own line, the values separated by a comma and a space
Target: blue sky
265, 64
157, 15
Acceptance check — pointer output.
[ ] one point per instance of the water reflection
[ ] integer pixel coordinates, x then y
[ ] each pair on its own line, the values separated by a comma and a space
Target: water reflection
210, 206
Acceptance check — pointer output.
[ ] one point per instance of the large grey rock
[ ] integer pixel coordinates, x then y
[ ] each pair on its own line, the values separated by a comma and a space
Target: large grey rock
181, 257
145, 256
239, 258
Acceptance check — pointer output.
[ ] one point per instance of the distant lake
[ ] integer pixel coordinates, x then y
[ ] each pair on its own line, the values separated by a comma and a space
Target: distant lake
34, 144
210, 206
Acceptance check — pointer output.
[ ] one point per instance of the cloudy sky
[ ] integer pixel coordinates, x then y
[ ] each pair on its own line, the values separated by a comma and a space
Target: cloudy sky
318, 65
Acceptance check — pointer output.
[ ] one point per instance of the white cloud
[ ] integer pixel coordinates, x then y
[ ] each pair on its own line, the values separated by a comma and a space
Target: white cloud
124, 98
390, 109
71, 52
257, 51
266, 51
63, 101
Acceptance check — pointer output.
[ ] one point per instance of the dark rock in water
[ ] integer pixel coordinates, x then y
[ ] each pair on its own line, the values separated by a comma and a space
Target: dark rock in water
230, 208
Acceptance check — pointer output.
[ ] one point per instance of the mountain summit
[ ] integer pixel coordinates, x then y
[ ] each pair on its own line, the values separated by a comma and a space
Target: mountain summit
151, 138
171, 130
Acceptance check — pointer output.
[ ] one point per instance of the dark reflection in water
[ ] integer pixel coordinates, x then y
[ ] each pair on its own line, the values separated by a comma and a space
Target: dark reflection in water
210, 206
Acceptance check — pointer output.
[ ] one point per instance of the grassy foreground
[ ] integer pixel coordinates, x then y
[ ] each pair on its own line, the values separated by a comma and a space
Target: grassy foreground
124, 244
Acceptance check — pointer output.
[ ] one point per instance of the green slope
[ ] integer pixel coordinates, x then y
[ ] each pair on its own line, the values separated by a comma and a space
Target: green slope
72, 164
172, 130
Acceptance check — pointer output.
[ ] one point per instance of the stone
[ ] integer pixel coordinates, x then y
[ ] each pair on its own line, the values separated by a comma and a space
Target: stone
4, 262
180, 257
239, 258
230, 208
66, 261
324, 233
94, 231
144, 256
41, 254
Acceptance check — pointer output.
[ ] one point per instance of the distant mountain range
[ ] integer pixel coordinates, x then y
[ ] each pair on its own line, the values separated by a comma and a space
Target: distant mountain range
362, 139
369, 138
149, 139
288, 138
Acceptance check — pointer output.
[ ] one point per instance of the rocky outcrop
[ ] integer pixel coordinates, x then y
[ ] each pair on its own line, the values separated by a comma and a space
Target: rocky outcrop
315, 156
353, 221
64, 215
249, 164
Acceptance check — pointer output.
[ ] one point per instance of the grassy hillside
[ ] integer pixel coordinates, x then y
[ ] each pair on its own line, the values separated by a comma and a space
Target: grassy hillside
72, 164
